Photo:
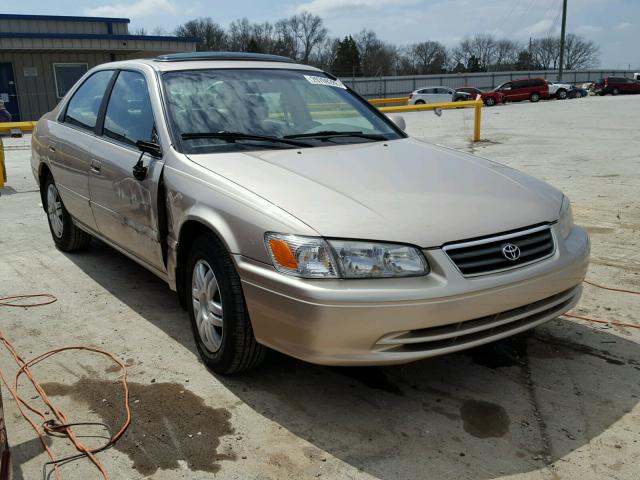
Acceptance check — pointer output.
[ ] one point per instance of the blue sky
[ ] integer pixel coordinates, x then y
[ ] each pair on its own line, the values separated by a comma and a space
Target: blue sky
613, 24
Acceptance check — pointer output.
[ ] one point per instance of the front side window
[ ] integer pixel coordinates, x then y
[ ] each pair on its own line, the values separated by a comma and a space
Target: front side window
285, 104
129, 117
83, 107
66, 75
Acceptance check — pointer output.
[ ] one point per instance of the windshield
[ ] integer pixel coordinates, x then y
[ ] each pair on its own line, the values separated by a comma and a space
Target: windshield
267, 103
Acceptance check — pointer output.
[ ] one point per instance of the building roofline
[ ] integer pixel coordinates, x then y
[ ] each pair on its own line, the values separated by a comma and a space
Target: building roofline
101, 36
62, 18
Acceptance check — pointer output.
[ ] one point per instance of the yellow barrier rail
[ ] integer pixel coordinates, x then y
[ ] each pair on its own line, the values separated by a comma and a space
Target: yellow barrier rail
476, 104
3, 170
24, 126
383, 101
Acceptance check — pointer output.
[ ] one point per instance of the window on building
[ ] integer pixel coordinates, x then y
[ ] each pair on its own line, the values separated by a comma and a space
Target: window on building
129, 117
83, 107
66, 75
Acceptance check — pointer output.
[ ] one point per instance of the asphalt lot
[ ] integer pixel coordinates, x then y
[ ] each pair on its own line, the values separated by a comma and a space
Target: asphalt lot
560, 403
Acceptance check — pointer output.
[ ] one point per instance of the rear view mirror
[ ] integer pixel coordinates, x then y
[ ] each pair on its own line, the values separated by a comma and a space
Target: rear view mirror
399, 121
151, 148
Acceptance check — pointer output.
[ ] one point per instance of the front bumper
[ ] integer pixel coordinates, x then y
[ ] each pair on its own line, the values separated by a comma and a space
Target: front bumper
387, 321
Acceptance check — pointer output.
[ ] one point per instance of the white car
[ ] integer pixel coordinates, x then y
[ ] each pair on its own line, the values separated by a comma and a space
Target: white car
559, 90
437, 95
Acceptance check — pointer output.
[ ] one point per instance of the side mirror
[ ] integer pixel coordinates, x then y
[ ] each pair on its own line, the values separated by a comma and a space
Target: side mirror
437, 111
399, 122
151, 148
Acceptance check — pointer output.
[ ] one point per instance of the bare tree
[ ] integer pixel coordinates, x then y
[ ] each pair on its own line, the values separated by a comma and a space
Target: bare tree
481, 47
302, 34
506, 54
424, 57
579, 52
212, 36
376, 57
546, 52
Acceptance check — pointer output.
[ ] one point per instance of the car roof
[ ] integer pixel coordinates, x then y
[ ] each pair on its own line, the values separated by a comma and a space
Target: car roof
205, 60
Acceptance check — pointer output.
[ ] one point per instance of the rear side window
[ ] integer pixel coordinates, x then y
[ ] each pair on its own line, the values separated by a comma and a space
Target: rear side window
83, 107
129, 117
520, 84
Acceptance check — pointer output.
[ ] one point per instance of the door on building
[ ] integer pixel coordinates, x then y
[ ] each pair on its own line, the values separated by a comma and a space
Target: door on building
8, 92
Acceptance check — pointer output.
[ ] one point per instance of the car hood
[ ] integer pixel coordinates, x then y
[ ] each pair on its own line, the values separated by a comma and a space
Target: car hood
401, 191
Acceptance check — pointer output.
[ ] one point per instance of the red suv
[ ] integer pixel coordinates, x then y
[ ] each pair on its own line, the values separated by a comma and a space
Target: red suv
489, 98
616, 85
532, 89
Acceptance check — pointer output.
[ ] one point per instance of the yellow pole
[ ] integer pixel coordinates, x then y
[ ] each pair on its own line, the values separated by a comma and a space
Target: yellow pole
476, 124
3, 170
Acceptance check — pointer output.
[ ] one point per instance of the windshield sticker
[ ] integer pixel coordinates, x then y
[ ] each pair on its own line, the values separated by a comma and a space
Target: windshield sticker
325, 81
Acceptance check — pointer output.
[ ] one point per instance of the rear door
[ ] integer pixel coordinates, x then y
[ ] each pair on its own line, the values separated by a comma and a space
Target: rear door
72, 140
124, 207
8, 93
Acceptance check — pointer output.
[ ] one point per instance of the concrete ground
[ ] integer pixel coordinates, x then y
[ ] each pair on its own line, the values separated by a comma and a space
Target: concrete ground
561, 403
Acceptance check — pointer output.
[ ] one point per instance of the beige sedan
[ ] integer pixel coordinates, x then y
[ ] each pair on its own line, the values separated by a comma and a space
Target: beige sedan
288, 213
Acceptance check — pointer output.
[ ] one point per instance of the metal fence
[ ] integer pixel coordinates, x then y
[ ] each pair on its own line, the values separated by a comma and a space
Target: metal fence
380, 87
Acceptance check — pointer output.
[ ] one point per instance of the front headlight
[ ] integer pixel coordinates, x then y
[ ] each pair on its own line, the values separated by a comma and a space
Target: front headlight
565, 223
312, 257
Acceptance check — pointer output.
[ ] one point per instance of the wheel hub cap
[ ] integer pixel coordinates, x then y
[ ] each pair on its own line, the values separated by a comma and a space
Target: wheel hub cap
54, 210
207, 305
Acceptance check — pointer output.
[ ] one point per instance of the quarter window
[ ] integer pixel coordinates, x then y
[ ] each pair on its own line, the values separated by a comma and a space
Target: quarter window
129, 117
83, 107
66, 75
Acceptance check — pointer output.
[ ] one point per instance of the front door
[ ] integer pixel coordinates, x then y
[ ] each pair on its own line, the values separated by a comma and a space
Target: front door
124, 207
8, 92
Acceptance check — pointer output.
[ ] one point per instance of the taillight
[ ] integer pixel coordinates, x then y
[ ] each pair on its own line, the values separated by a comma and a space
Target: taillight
410, 96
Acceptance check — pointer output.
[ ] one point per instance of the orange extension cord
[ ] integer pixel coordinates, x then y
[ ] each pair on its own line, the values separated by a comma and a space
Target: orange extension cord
607, 322
62, 425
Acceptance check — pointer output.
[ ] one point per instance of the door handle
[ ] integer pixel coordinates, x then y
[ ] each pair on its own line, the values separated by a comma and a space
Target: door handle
96, 166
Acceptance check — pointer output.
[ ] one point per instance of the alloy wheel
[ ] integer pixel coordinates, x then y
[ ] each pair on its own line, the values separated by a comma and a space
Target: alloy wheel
207, 305
54, 211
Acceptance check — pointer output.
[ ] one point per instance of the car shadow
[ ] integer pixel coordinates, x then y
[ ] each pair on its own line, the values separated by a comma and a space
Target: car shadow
510, 407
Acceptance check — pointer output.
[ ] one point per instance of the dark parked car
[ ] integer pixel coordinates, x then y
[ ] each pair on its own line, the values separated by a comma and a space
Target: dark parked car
616, 85
489, 98
532, 89
578, 92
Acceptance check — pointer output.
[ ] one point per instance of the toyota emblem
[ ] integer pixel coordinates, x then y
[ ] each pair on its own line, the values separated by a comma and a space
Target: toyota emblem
511, 252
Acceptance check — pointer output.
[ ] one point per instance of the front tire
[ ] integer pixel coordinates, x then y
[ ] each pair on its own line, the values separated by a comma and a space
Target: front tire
219, 317
534, 97
615, 91
66, 235
490, 101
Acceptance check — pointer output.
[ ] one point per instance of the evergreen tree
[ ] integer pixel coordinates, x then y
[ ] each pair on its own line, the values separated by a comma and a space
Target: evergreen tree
347, 60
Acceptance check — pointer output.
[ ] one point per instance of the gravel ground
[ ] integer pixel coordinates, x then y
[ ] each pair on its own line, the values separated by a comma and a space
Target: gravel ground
560, 403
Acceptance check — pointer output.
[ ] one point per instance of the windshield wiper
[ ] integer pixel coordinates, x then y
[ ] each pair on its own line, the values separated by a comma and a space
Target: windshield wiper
336, 133
233, 136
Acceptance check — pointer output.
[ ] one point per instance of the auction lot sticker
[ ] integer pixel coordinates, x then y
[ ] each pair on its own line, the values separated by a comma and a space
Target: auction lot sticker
325, 81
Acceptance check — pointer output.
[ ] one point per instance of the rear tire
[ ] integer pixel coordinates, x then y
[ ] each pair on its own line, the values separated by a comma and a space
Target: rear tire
490, 101
66, 235
534, 97
217, 309
419, 102
561, 94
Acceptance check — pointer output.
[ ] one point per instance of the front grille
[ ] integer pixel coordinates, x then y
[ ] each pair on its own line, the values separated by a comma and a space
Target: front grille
465, 334
484, 256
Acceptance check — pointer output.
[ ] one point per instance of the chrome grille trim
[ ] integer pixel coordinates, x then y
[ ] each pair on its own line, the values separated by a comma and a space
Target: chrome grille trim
469, 257
455, 337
